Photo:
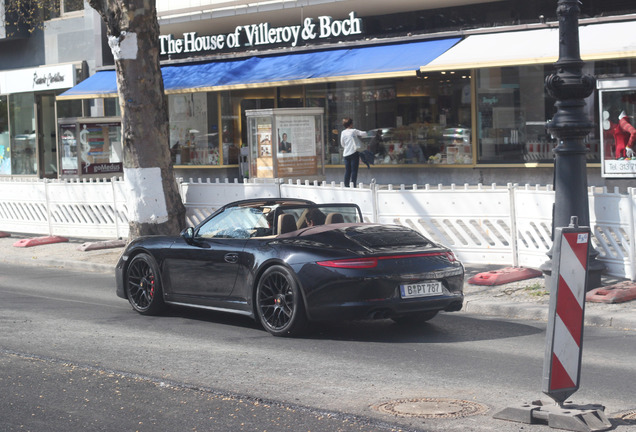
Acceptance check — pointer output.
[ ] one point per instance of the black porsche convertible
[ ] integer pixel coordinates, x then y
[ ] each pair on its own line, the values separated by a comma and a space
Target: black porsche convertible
285, 262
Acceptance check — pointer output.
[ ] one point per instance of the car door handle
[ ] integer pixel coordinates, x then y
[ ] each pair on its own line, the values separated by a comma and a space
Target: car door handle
231, 258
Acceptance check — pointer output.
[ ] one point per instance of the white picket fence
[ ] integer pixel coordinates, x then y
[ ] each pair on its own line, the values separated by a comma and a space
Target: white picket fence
503, 225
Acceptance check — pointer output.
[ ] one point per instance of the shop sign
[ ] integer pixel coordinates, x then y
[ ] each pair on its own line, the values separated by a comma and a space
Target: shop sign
263, 34
37, 79
102, 168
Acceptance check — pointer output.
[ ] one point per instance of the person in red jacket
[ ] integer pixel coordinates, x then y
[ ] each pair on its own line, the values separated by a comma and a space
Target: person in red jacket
624, 137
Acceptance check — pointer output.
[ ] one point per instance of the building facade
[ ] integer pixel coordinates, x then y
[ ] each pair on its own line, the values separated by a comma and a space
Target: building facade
38, 63
449, 91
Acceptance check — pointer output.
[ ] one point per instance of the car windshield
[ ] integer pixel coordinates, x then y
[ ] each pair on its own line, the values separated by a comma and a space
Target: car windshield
263, 220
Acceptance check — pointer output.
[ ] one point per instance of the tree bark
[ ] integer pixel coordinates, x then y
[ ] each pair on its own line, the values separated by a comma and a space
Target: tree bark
154, 202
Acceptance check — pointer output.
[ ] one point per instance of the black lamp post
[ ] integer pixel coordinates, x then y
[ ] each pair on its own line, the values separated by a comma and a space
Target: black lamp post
570, 125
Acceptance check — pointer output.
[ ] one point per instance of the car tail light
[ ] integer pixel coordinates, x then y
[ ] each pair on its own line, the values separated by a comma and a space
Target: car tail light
451, 256
354, 263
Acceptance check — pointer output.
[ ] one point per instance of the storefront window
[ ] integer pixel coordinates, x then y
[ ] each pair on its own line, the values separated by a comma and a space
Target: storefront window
290, 97
23, 142
229, 125
408, 121
618, 114
194, 131
234, 104
71, 5
509, 130
111, 107
190, 141
69, 108
513, 108
5, 148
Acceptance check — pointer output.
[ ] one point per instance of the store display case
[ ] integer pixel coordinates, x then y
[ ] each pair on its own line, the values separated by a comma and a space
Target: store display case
286, 143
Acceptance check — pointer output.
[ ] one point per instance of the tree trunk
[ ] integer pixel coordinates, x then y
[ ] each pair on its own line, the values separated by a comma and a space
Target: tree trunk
154, 202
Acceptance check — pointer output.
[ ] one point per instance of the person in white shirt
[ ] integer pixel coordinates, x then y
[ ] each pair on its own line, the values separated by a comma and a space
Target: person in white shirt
350, 153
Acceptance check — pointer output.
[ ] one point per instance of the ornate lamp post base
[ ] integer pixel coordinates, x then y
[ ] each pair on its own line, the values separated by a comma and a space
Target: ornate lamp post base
570, 125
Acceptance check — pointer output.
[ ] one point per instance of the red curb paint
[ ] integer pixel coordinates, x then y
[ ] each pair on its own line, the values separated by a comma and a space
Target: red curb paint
37, 241
503, 276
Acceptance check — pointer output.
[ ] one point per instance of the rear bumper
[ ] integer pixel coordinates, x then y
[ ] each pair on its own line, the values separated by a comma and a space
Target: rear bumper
384, 309
371, 298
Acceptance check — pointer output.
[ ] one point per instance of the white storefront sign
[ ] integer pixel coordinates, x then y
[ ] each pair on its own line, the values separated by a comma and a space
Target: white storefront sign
37, 79
262, 34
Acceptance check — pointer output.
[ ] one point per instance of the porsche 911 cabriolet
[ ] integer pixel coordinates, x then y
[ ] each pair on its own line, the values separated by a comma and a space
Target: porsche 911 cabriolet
285, 262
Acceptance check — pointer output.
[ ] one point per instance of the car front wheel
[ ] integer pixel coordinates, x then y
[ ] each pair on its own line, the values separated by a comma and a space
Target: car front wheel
143, 285
279, 304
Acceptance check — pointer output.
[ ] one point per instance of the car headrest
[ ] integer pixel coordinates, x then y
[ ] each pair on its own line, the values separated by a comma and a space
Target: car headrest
334, 218
286, 223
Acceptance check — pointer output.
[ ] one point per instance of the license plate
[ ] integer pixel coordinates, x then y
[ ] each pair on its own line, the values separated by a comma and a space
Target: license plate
421, 289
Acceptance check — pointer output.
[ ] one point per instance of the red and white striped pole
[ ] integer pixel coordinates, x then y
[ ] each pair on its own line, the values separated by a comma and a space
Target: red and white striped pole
564, 341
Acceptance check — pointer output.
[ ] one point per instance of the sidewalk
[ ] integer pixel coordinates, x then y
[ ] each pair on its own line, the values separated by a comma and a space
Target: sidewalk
526, 299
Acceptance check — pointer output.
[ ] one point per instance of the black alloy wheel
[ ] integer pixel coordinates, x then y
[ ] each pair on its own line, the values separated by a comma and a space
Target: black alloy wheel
415, 318
143, 285
279, 305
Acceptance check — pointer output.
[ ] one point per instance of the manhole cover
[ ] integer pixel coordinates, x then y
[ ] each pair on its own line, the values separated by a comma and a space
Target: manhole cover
432, 408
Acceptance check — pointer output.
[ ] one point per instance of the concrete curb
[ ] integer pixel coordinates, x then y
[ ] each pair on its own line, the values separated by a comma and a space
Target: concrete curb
70, 265
528, 311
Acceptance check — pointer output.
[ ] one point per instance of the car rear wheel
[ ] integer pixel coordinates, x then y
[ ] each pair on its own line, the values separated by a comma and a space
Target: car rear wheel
143, 285
415, 318
279, 305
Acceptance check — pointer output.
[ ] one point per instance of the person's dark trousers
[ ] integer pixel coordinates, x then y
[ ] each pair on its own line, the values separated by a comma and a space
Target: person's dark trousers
351, 169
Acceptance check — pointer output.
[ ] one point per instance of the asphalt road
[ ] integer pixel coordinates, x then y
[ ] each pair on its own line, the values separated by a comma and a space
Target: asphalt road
73, 353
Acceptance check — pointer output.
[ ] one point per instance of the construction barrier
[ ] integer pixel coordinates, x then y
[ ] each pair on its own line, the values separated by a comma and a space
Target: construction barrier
564, 340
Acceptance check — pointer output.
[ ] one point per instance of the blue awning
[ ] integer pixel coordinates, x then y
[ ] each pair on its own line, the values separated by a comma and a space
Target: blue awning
102, 84
299, 68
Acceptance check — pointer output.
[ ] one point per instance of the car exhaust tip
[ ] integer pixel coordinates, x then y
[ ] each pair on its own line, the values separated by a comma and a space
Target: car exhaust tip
454, 307
380, 314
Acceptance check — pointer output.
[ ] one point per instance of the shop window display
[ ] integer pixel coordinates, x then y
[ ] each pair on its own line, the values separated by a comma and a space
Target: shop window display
512, 110
191, 141
618, 126
408, 121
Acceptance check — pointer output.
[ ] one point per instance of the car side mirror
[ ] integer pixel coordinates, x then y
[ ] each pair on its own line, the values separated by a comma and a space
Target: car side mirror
188, 235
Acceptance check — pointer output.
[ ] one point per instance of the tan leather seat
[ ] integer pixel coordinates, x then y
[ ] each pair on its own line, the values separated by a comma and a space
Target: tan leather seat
286, 223
334, 218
